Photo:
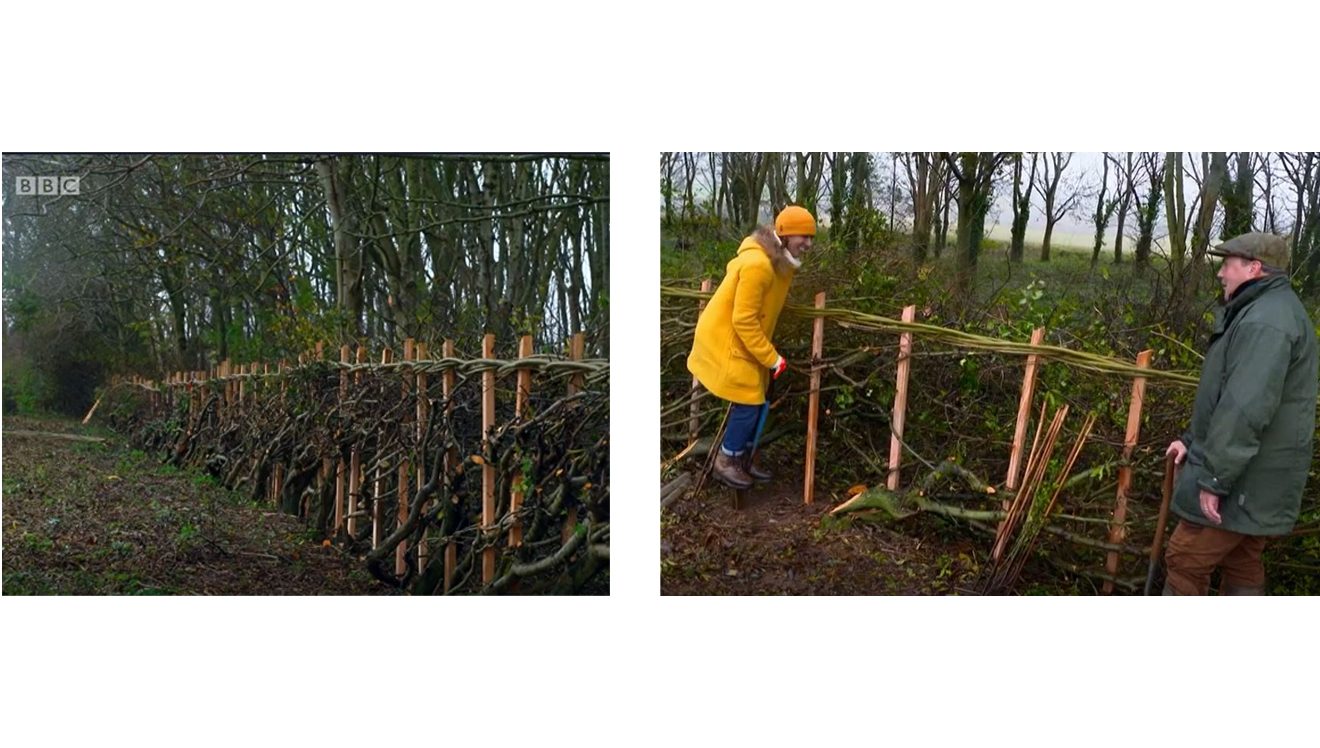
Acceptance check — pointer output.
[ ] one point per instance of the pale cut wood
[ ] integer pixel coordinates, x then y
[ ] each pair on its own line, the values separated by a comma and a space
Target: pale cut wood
575, 353
900, 401
813, 402
54, 435
1024, 411
87, 418
1117, 530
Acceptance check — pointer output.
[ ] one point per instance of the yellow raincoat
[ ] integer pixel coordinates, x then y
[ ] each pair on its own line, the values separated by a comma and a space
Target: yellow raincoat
732, 354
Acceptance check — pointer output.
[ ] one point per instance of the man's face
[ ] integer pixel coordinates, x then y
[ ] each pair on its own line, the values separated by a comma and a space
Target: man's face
797, 245
1235, 271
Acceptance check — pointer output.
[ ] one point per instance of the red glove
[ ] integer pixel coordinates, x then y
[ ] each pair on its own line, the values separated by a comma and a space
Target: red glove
778, 368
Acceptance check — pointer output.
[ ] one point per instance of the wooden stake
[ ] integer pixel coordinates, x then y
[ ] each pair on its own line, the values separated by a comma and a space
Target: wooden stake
327, 467
378, 484
487, 468
451, 548
1117, 531
574, 386
88, 417
694, 420
423, 411
1024, 411
900, 400
405, 466
279, 483
355, 460
813, 402
524, 392
341, 470
576, 349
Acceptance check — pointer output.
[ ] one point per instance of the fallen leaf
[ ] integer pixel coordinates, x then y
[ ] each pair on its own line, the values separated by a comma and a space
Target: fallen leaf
854, 490
325, 543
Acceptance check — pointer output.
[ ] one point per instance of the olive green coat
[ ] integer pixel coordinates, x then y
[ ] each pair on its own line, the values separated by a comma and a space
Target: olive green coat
1253, 420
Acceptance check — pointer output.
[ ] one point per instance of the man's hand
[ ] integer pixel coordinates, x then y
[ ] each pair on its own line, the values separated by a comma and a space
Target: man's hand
1178, 450
1210, 505
778, 368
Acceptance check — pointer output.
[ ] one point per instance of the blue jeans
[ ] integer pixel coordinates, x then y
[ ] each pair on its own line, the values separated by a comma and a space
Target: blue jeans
740, 429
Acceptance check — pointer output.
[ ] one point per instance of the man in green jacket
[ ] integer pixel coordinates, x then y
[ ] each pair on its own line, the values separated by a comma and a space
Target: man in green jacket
1247, 454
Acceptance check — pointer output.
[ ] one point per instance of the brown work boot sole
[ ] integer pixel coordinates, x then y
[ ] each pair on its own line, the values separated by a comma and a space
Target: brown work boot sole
731, 483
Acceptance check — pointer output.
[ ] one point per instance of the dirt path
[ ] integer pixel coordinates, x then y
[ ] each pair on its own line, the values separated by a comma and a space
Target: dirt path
777, 545
88, 518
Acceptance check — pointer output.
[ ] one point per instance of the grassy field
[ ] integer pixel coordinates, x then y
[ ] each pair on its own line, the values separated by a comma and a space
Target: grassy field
87, 518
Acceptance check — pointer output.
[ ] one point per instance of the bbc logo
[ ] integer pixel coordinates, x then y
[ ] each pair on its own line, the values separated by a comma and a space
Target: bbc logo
47, 185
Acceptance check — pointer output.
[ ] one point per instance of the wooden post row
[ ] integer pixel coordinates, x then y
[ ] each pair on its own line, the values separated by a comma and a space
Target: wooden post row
813, 401
1117, 530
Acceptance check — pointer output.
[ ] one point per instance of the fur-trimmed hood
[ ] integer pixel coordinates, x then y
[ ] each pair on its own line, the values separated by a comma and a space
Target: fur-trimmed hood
769, 242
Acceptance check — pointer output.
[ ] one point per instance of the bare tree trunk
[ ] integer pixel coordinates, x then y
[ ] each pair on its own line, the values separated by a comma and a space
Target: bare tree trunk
924, 185
1127, 190
1021, 207
1216, 167
1104, 210
667, 185
838, 196
348, 257
1237, 197
1055, 208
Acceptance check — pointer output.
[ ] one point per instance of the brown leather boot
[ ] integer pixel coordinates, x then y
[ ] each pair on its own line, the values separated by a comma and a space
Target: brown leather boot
1233, 589
728, 470
754, 472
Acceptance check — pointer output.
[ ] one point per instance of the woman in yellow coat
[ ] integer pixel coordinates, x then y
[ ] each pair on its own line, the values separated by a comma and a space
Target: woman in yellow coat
732, 354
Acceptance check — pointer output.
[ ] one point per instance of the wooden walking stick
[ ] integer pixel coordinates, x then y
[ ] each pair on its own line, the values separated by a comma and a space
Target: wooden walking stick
709, 464
1156, 545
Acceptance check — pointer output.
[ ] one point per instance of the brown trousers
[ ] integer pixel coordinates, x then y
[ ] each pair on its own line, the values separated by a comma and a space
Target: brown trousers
1195, 550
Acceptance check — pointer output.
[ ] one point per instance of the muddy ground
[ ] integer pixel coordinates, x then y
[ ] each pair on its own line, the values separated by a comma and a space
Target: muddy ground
777, 545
